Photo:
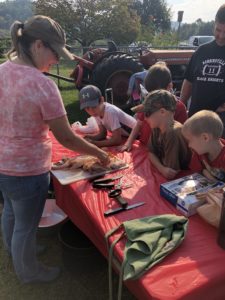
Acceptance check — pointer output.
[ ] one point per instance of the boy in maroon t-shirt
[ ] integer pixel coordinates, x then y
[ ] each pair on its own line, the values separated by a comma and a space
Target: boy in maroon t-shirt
203, 132
158, 77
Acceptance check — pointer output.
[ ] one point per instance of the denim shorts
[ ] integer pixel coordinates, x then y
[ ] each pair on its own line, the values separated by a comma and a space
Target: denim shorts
21, 187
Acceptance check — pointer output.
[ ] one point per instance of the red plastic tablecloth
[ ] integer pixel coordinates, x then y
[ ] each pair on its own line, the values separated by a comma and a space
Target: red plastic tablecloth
195, 269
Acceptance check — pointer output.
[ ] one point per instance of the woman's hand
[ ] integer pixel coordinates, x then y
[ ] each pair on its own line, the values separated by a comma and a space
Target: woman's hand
103, 157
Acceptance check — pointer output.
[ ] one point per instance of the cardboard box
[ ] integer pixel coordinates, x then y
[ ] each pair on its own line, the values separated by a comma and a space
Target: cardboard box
182, 192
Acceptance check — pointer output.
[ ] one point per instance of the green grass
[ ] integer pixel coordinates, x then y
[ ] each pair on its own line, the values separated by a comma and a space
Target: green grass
69, 93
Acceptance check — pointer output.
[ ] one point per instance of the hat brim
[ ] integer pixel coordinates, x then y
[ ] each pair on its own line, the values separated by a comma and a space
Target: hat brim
89, 103
63, 52
138, 108
142, 109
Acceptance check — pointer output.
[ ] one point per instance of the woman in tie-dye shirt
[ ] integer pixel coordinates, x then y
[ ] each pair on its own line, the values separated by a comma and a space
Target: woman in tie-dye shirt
30, 105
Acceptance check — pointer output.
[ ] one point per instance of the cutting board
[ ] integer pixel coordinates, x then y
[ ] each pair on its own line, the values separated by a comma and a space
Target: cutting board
70, 176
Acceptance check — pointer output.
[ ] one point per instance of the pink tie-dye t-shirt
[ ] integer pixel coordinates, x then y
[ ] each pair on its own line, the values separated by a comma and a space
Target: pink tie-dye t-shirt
27, 100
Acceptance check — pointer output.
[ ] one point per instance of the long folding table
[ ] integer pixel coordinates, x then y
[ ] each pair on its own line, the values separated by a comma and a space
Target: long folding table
195, 270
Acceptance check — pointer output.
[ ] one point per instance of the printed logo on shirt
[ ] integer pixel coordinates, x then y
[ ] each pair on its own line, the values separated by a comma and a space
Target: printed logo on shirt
212, 71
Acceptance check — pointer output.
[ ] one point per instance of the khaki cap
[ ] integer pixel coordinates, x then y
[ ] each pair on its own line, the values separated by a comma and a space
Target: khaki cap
159, 99
50, 32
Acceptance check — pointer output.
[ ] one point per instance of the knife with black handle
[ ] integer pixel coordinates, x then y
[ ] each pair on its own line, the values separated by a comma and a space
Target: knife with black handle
117, 210
106, 180
103, 185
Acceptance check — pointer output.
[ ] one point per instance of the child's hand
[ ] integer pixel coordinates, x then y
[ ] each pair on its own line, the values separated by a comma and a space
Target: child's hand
208, 175
126, 147
88, 138
169, 173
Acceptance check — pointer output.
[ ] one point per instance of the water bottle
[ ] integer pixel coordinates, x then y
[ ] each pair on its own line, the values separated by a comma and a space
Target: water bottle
221, 235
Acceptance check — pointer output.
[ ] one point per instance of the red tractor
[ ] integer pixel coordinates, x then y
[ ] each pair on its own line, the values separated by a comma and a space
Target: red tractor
109, 68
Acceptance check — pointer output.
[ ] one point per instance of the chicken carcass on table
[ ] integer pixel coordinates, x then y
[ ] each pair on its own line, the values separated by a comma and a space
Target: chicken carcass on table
88, 163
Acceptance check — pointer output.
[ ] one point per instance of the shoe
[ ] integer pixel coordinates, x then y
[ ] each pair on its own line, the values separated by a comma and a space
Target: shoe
45, 275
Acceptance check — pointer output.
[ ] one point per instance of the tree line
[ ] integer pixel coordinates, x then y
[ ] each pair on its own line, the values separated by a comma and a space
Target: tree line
123, 21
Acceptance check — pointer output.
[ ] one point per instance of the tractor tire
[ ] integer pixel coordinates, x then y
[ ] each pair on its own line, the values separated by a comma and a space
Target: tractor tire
114, 72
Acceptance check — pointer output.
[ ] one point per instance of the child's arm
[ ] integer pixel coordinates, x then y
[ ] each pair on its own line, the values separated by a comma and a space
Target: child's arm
114, 140
133, 135
186, 91
99, 136
168, 173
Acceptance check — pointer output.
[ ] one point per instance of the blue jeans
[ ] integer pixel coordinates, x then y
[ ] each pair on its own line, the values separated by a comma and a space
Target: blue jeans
24, 200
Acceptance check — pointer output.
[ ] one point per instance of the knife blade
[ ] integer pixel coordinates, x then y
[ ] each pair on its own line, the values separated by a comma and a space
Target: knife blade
119, 209
107, 180
103, 185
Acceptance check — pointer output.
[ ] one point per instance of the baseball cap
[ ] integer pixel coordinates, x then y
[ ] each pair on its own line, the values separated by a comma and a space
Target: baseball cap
158, 99
62, 51
89, 96
50, 32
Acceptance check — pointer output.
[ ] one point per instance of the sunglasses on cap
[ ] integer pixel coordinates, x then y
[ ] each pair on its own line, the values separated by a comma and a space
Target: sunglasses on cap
150, 112
153, 109
52, 50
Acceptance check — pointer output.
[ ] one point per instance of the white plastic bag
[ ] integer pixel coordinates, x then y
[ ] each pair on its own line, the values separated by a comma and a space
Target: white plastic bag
90, 127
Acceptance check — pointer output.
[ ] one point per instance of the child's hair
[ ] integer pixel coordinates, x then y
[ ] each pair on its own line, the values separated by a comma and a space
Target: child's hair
204, 121
158, 77
38, 27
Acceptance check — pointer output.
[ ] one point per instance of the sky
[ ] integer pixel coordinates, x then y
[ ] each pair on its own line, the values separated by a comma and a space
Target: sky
195, 9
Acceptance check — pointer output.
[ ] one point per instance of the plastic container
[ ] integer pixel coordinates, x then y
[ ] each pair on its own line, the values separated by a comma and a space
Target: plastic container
78, 252
52, 218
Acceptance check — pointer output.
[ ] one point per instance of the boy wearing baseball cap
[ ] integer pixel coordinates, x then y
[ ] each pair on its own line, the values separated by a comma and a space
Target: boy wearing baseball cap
109, 117
169, 152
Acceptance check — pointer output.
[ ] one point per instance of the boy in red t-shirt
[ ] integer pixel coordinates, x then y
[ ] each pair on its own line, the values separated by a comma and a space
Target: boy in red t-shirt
158, 77
203, 132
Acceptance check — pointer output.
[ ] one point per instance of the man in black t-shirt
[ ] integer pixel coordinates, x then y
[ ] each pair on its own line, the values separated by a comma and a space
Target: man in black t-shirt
205, 76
